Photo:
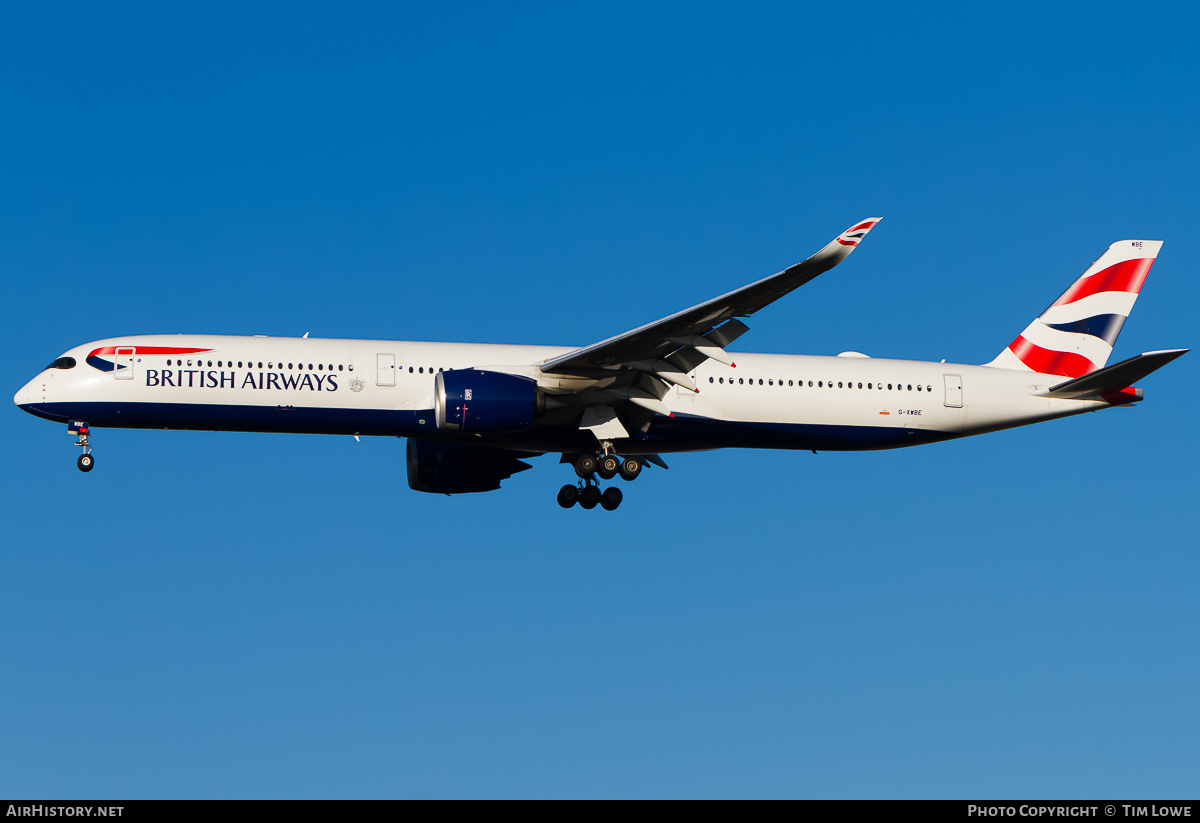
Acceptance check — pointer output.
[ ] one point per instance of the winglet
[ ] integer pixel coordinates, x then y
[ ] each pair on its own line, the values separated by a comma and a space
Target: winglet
840, 247
852, 235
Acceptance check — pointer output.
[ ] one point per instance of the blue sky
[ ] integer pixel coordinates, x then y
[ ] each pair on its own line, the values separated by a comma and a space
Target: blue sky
235, 615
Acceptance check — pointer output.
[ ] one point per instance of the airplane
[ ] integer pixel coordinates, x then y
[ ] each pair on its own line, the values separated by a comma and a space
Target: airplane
474, 413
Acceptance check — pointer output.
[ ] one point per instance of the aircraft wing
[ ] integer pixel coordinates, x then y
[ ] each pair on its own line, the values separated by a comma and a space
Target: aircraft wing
618, 384
710, 326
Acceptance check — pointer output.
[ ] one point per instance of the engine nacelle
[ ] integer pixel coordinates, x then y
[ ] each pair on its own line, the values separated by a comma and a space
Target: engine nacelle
470, 400
453, 468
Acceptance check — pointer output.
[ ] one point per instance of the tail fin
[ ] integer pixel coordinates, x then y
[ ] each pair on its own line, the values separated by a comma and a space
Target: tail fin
1075, 336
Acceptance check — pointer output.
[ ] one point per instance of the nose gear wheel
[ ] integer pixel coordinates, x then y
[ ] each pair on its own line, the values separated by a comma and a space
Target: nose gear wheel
87, 460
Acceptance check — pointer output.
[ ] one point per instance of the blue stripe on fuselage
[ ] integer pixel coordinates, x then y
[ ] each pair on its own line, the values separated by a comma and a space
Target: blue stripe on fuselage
683, 432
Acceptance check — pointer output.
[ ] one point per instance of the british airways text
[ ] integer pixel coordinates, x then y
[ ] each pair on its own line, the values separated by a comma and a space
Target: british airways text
212, 379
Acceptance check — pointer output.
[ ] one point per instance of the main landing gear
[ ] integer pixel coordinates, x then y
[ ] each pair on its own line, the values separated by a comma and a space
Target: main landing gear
86, 461
587, 492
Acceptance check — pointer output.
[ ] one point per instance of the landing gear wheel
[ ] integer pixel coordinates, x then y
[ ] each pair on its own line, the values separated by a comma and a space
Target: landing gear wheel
608, 467
86, 462
631, 467
590, 497
611, 498
567, 496
585, 466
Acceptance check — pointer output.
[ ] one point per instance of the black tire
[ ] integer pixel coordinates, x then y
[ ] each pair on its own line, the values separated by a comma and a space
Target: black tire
611, 498
585, 466
567, 496
86, 462
631, 467
606, 467
589, 497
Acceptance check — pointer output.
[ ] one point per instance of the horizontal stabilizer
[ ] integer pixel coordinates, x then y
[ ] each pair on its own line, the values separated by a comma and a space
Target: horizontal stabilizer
1116, 377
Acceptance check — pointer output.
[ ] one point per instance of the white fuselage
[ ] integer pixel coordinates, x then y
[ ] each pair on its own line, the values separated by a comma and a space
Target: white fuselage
379, 387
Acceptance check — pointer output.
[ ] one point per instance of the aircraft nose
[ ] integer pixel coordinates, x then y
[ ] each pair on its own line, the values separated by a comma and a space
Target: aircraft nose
28, 394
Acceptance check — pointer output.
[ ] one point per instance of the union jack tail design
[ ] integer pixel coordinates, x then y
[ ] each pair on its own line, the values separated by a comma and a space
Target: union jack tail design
1075, 336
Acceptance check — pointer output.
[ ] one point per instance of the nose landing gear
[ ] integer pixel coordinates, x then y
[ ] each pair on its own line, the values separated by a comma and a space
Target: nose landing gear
86, 461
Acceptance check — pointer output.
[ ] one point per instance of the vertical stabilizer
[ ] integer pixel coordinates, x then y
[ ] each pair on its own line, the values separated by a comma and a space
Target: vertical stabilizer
1075, 336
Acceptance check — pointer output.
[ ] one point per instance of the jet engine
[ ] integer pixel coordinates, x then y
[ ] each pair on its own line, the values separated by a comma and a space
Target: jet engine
453, 468
470, 400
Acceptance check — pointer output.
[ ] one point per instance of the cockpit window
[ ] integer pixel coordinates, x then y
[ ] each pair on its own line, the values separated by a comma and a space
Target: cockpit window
63, 363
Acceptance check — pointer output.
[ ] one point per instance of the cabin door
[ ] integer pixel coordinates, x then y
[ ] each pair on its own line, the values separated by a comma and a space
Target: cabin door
385, 370
953, 390
125, 358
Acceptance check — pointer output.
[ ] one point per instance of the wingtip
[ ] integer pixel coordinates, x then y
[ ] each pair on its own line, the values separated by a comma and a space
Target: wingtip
853, 235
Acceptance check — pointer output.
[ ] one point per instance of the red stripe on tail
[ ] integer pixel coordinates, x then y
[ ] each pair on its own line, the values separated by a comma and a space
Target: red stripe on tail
1045, 361
1127, 276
